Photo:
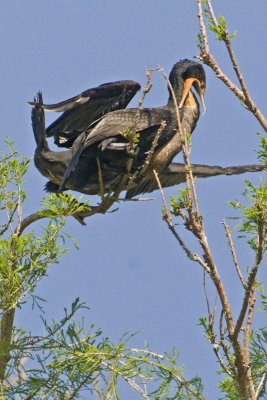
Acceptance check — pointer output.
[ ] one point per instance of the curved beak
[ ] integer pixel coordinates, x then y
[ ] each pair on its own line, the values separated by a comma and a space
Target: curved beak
189, 82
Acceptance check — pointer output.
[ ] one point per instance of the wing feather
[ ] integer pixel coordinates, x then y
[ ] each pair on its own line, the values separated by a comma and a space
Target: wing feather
81, 111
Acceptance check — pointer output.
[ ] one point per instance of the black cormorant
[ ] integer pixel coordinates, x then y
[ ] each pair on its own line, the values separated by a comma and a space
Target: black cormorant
184, 76
85, 177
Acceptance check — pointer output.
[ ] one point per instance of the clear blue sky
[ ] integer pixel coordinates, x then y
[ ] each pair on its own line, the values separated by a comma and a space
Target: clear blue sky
129, 269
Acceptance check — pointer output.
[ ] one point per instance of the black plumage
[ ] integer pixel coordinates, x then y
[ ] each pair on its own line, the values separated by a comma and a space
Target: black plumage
175, 174
112, 128
85, 177
94, 124
81, 111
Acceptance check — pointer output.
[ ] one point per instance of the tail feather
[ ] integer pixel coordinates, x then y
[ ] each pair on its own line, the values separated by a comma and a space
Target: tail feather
69, 169
38, 120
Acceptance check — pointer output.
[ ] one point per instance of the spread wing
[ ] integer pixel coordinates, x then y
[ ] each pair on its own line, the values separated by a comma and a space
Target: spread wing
116, 125
175, 174
81, 111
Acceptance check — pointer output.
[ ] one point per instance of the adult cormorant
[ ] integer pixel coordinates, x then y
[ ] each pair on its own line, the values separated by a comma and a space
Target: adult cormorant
52, 165
116, 127
85, 177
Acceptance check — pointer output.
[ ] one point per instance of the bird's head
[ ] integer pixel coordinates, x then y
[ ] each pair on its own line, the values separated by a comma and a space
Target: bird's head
187, 74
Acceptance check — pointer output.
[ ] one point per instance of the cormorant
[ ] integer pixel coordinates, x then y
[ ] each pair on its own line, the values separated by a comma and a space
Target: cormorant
113, 130
85, 177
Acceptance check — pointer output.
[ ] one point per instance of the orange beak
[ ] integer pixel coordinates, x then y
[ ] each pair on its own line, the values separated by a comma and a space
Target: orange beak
200, 91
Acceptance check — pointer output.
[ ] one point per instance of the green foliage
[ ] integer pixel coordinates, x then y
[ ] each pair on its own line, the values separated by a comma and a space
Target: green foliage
12, 171
58, 206
263, 300
254, 215
254, 212
229, 387
25, 257
182, 201
24, 260
220, 28
262, 152
67, 360
132, 136
258, 349
207, 328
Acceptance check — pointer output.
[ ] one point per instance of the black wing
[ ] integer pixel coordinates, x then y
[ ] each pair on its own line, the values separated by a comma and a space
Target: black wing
175, 174
114, 125
81, 111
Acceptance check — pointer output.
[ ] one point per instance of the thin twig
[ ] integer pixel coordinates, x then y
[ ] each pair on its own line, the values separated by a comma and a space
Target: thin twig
181, 380
261, 385
251, 308
251, 280
168, 219
231, 245
225, 347
211, 12
211, 316
221, 362
204, 39
211, 319
232, 56
140, 172
19, 209
147, 87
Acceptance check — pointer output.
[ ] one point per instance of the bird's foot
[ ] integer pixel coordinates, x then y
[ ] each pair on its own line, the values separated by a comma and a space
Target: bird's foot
112, 144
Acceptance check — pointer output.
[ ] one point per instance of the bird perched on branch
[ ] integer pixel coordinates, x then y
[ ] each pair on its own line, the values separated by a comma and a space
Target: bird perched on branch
53, 164
109, 139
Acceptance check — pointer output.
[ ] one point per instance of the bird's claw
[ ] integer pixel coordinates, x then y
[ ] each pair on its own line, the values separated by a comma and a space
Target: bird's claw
111, 144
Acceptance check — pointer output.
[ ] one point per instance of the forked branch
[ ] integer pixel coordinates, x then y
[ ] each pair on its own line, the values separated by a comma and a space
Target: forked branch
207, 58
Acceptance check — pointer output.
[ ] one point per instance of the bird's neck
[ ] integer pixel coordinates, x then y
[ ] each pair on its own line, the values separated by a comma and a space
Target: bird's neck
189, 115
42, 145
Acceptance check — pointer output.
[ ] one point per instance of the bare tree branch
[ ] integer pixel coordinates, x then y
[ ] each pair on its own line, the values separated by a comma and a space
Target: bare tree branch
232, 248
209, 60
168, 219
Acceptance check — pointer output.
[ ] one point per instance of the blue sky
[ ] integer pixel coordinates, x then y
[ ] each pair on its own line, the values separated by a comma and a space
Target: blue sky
129, 269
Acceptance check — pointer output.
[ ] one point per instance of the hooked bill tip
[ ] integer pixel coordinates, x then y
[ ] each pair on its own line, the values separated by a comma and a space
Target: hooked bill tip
204, 108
